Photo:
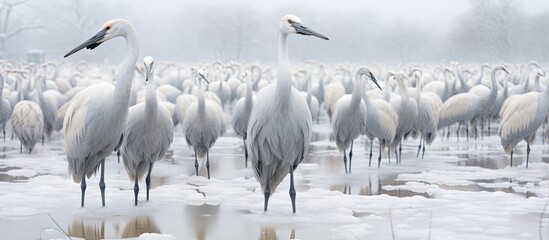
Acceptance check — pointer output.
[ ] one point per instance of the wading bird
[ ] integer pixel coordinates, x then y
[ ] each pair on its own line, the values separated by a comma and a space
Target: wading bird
27, 122
280, 125
148, 133
520, 119
202, 125
349, 119
241, 115
95, 118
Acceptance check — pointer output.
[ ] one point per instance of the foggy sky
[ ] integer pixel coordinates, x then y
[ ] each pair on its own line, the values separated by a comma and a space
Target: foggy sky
190, 31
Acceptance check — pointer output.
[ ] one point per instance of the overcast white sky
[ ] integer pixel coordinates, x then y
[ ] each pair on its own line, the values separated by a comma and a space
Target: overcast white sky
434, 13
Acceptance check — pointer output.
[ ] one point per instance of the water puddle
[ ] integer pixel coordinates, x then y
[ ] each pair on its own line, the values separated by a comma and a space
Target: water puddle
4, 177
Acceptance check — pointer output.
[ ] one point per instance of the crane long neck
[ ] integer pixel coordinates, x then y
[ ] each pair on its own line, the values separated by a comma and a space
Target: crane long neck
151, 102
387, 92
357, 92
39, 89
479, 80
446, 85
526, 83
124, 79
402, 89
418, 90
1, 87
309, 91
546, 92
506, 88
248, 100
283, 86
366, 98
494, 92
201, 100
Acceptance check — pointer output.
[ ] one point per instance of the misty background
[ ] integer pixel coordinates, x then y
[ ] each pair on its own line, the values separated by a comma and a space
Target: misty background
393, 31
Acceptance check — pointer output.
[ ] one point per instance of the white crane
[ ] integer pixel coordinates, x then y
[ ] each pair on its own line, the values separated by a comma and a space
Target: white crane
147, 135
5, 108
202, 125
349, 119
95, 118
487, 97
280, 125
521, 117
406, 109
241, 115
27, 122
427, 116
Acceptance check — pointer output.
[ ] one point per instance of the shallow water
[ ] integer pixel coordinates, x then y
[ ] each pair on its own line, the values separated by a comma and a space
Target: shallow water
460, 189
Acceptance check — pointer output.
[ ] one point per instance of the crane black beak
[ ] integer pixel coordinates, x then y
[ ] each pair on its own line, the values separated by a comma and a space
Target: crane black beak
203, 78
91, 43
375, 80
300, 29
148, 71
505, 70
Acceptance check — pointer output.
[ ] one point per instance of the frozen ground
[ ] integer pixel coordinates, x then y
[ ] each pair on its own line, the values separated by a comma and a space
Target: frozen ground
461, 190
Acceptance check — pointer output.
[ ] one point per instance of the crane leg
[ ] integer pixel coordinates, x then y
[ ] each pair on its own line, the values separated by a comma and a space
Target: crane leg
345, 159
292, 188
448, 134
400, 152
4, 131
83, 189
195, 163
118, 155
527, 153
351, 155
208, 162
443, 133
396, 155
245, 154
102, 182
136, 189
20, 147
389, 153
482, 129
423, 153
511, 158
457, 132
148, 180
488, 127
419, 147
379, 158
266, 193
371, 146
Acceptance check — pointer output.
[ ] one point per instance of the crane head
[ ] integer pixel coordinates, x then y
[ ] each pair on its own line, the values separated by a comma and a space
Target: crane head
149, 63
291, 24
111, 29
366, 71
202, 76
505, 70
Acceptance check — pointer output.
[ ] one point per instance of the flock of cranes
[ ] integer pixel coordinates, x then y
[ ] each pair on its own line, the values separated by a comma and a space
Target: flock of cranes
272, 112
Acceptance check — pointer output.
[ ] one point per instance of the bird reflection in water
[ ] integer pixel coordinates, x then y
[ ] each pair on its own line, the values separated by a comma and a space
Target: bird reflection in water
88, 231
269, 233
139, 225
201, 218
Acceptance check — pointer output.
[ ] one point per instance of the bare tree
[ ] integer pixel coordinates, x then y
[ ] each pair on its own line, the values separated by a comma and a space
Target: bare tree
6, 33
490, 31
227, 33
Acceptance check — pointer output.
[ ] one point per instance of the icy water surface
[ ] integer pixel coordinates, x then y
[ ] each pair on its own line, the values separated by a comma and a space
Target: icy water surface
460, 190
